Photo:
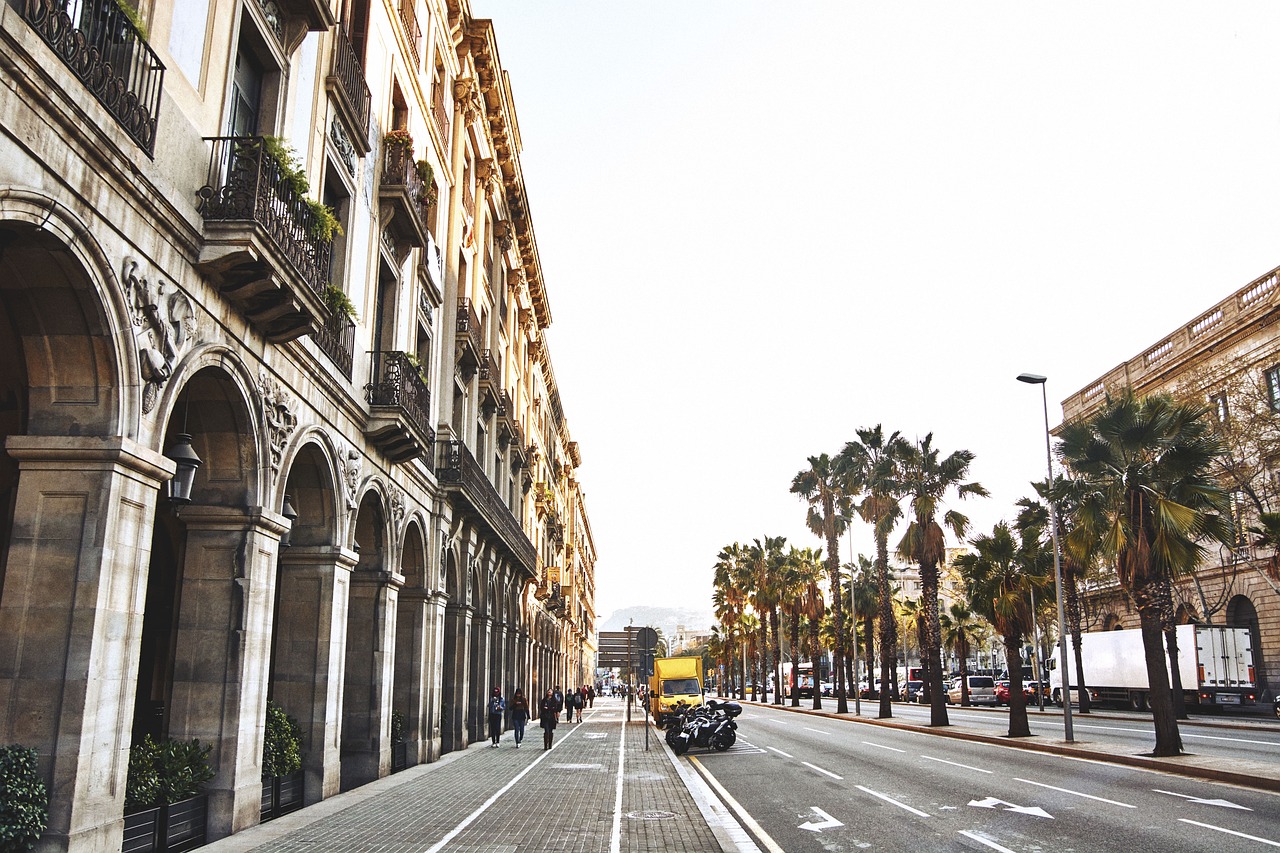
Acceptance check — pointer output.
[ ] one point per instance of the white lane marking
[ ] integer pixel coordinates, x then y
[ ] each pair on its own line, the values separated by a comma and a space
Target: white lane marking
819, 731
783, 754
615, 837
955, 764
1230, 832
1077, 793
825, 821
820, 770
992, 803
469, 819
882, 746
987, 841
778, 722
768, 842
889, 799
1224, 803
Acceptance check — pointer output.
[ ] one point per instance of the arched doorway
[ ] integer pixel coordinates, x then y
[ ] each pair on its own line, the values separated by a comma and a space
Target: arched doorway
371, 624
1241, 613
457, 627
413, 623
313, 579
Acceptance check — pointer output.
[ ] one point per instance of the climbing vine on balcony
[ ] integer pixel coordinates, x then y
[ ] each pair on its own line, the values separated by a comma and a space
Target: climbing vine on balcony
324, 224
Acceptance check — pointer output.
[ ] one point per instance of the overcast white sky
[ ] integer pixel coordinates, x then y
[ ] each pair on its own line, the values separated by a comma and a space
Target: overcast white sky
763, 225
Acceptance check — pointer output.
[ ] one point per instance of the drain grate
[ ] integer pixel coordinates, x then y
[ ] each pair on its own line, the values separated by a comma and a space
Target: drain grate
651, 815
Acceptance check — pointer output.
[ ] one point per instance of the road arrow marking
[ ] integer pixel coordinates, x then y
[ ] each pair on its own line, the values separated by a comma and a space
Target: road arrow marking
826, 822
993, 803
1226, 804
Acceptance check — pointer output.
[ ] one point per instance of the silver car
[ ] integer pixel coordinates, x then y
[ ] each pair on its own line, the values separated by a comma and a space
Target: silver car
982, 691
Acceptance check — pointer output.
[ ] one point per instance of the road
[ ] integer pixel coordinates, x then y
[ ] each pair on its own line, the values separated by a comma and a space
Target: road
807, 783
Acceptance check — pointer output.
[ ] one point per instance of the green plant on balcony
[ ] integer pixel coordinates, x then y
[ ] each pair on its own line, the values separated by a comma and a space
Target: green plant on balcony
134, 18
417, 365
324, 224
24, 800
398, 138
337, 301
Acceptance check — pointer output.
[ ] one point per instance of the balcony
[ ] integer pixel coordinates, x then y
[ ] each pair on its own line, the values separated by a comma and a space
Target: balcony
264, 247
350, 92
106, 52
469, 341
463, 477
399, 423
412, 33
337, 339
402, 192
440, 112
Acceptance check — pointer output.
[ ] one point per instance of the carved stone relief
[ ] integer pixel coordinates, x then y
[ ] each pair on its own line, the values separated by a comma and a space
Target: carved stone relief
166, 322
279, 415
395, 498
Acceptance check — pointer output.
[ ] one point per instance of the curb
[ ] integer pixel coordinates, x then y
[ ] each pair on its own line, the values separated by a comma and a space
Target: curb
1246, 780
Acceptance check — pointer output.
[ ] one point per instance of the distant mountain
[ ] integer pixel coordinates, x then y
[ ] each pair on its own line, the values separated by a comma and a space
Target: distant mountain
664, 618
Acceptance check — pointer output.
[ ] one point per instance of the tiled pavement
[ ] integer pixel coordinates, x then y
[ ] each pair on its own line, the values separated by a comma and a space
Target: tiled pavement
499, 800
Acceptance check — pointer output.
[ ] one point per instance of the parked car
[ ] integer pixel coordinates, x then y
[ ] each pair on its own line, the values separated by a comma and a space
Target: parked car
1277, 706
982, 691
828, 688
912, 691
1002, 691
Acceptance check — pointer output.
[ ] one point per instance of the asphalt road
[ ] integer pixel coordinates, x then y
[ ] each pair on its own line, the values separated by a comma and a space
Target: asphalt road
802, 783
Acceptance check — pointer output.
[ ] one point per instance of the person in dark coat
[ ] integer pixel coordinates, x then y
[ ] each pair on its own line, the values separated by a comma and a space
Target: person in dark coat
497, 706
548, 716
519, 714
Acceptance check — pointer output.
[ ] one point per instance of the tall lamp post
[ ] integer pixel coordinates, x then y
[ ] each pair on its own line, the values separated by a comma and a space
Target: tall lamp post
1036, 379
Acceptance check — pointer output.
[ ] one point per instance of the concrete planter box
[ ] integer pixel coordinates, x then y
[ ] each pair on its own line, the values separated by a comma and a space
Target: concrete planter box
167, 829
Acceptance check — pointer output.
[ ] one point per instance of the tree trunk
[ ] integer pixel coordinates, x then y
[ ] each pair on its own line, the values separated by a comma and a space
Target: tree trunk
777, 655
1018, 725
764, 657
1168, 619
837, 609
795, 651
869, 646
932, 647
1168, 740
1073, 617
888, 627
963, 650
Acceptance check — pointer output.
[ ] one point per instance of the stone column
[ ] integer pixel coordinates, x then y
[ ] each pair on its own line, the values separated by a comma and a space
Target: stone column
222, 652
435, 659
367, 682
457, 643
413, 677
310, 647
74, 585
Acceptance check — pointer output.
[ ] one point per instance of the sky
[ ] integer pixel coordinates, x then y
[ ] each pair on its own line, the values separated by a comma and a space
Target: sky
764, 225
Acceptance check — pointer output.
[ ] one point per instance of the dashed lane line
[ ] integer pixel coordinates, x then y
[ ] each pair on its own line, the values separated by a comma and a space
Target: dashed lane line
820, 770
882, 746
889, 799
783, 754
955, 764
819, 731
1077, 793
1231, 832
987, 841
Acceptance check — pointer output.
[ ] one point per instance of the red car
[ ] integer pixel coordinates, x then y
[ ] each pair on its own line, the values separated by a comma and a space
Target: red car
1002, 691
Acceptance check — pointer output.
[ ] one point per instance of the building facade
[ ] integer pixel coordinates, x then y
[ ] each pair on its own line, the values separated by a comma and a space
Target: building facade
1228, 358
281, 249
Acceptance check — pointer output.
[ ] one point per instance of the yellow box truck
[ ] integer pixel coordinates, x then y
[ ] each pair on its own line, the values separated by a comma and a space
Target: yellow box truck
674, 680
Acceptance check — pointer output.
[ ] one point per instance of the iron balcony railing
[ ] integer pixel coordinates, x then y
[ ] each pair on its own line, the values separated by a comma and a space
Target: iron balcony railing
412, 34
349, 76
104, 49
458, 467
440, 111
248, 184
403, 187
469, 326
337, 338
396, 382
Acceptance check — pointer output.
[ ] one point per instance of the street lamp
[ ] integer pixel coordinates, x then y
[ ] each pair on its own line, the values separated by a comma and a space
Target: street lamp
1036, 379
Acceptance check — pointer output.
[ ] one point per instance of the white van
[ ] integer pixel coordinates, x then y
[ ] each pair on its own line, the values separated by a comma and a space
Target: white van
982, 691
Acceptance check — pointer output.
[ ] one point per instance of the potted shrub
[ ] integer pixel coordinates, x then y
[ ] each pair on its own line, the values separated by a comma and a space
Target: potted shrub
324, 224
24, 801
337, 301
281, 763
163, 799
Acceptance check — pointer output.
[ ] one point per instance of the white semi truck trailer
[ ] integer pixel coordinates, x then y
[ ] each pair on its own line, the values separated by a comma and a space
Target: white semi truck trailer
1216, 665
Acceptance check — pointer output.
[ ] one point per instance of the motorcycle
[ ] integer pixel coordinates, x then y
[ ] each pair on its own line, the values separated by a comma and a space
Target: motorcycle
712, 726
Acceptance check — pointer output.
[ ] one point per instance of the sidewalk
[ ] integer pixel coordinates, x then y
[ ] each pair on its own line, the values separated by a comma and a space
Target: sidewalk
575, 797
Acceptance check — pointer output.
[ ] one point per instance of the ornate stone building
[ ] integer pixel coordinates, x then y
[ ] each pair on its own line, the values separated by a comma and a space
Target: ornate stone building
1229, 357
282, 249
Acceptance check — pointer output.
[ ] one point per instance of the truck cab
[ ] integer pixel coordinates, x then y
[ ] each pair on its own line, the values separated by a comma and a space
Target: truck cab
674, 680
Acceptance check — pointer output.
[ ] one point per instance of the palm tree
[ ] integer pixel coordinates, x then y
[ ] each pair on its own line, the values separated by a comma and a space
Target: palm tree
872, 463
927, 479
1151, 498
865, 604
999, 576
824, 485
814, 610
958, 630
730, 600
801, 568
913, 618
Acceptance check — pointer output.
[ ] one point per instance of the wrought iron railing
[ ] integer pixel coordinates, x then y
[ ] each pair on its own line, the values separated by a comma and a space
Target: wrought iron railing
458, 466
400, 173
337, 338
350, 76
409, 18
246, 183
103, 48
440, 111
469, 325
395, 381
488, 367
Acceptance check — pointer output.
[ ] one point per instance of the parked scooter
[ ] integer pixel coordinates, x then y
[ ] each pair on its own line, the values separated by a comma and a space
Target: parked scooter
710, 726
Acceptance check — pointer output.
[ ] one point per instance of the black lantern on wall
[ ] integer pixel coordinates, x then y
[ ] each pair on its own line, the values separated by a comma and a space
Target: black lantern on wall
184, 456
292, 514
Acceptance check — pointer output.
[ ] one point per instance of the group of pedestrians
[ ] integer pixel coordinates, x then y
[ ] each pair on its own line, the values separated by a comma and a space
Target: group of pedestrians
549, 709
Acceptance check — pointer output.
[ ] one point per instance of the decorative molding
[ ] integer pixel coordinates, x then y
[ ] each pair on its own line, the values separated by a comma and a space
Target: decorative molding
349, 470
167, 324
274, 18
346, 151
395, 499
279, 415
467, 97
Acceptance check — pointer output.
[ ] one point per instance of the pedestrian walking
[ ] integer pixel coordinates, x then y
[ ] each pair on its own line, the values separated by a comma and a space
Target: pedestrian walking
559, 697
591, 695
519, 714
568, 705
579, 700
548, 716
497, 706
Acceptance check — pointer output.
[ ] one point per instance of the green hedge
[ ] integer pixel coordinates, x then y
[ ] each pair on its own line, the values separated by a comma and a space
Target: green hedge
24, 801
281, 743
165, 772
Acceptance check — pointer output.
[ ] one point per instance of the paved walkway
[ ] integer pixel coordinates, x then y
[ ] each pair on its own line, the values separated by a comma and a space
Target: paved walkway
598, 790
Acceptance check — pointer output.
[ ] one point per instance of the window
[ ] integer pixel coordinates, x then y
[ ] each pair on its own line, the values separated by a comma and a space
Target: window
1219, 403
1273, 388
246, 95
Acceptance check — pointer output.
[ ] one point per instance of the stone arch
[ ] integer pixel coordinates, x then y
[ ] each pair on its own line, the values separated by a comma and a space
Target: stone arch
1186, 615
413, 627
1111, 622
312, 481
1242, 613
